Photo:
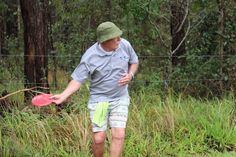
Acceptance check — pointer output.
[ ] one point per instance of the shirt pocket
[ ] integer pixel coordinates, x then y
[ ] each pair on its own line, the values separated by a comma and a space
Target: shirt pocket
102, 72
121, 62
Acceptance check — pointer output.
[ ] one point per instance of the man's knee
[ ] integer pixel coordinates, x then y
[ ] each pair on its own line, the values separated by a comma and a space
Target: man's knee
118, 134
99, 137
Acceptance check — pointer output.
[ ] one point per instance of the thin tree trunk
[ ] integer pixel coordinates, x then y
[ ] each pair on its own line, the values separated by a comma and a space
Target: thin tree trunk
51, 47
11, 23
108, 9
177, 31
2, 30
221, 39
18, 21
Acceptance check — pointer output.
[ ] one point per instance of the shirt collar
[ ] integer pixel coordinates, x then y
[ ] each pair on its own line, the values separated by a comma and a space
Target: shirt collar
102, 52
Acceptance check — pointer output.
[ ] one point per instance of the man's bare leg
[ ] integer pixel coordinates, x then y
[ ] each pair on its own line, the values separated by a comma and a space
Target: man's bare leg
118, 135
98, 143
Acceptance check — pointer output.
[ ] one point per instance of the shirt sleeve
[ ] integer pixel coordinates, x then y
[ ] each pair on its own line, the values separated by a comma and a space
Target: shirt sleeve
133, 56
81, 72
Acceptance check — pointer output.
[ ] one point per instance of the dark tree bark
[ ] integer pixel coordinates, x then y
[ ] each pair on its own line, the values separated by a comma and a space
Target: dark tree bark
51, 15
178, 31
34, 13
221, 20
2, 30
29, 51
108, 9
11, 21
8, 22
41, 43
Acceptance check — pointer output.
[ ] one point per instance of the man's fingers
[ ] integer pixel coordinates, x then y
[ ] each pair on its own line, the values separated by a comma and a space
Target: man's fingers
123, 82
56, 99
124, 74
52, 97
125, 79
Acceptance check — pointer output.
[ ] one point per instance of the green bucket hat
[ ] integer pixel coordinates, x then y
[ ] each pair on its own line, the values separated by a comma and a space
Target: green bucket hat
106, 31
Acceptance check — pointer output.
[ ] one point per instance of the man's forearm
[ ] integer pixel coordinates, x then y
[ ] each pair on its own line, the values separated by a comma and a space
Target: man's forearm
133, 69
72, 87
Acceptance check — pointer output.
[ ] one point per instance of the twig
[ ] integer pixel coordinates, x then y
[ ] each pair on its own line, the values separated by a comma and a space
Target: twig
186, 34
160, 35
185, 17
23, 90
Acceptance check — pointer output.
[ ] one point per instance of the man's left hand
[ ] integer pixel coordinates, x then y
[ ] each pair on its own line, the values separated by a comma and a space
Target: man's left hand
125, 79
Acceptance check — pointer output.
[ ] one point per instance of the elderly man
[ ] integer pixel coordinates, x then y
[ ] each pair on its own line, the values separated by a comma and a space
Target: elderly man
110, 64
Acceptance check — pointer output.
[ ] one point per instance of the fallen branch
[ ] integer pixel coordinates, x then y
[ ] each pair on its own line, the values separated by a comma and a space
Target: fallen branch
23, 90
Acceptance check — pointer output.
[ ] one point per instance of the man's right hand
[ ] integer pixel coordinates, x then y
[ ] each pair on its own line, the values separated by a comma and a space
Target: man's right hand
58, 98
70, 89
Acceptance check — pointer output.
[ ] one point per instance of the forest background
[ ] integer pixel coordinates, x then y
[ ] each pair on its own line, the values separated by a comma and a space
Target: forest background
187, 57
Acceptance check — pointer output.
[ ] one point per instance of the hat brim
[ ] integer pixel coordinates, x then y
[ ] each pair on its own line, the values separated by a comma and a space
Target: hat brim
110, 36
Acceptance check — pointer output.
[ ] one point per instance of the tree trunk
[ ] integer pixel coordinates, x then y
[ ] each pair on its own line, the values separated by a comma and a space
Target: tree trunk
51, 12
18, 22
35, 41
11, 21
108, 10
2, 30
177, 31
221, 39
29, 51
41, 43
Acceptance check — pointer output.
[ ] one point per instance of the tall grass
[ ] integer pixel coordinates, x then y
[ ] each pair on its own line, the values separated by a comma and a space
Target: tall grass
178, 126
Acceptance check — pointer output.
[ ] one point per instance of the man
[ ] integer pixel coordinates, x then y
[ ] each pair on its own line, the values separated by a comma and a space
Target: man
110, 64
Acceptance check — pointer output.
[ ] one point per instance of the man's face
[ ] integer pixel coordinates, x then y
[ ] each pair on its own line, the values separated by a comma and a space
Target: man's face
112, 44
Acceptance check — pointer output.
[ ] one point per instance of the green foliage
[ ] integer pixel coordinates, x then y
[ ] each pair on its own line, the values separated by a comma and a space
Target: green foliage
203, 61
12, 67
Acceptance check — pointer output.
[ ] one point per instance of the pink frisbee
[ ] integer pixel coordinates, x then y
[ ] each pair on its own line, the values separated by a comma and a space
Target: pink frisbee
42, 100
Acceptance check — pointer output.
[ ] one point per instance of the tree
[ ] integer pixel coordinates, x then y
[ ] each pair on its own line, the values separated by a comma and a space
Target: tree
2, 31
34, 15
108, 9
8, 25
221, 38
179, 12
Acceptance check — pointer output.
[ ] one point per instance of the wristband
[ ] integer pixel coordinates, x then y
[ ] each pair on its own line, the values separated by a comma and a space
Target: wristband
132, 74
